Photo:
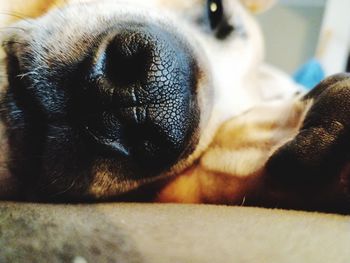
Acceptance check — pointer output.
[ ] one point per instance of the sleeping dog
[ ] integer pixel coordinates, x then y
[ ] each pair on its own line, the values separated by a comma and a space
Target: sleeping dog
163, 100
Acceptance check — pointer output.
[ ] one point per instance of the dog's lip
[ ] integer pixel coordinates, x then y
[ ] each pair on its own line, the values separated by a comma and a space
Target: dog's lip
110, 145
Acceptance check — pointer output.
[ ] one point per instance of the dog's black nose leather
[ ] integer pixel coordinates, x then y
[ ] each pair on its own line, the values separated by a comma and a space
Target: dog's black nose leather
144, 79
129, 56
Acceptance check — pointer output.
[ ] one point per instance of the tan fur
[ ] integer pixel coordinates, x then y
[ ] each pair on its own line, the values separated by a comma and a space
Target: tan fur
232, 168
16, 9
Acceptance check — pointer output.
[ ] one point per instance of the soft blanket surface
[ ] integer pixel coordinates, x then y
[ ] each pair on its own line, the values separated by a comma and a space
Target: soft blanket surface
169, 233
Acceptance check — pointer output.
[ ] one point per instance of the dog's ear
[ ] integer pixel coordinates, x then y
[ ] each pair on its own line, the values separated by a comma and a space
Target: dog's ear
18, 9
258, 6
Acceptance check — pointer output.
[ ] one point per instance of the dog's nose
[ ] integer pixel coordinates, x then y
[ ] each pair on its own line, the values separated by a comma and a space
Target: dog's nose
144, 79
129, 56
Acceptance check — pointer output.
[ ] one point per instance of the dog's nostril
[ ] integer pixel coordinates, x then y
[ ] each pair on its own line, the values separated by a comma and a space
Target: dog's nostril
127, 60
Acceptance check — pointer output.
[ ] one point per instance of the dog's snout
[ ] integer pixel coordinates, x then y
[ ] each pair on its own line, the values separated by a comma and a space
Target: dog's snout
144, 78
100, 99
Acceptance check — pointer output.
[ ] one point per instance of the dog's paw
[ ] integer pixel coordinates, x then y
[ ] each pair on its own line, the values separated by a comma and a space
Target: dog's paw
313, 164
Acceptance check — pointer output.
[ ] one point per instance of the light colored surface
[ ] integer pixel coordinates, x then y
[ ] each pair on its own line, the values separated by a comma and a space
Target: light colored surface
304, 2
169, 233
291, 34
334, 45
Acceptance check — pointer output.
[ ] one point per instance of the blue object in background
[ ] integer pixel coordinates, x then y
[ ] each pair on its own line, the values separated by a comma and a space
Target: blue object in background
309, 74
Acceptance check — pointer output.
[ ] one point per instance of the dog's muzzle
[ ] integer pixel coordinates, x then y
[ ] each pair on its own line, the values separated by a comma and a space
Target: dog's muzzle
138, 98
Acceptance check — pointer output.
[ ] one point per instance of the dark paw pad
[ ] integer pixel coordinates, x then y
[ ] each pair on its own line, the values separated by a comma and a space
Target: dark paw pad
315, 157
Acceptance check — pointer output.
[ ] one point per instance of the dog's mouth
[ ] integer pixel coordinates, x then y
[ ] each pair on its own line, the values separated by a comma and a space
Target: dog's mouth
125, 111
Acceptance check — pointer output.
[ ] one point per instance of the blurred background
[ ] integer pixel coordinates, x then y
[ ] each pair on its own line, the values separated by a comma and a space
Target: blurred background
308, 36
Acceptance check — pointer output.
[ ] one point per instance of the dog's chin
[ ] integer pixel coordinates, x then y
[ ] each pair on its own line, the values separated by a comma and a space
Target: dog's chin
56, 162
108, 180
76, 174
66, 167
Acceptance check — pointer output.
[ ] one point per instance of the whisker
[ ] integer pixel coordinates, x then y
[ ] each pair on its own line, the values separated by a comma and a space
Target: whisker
49, 184
65, 190
17, 15
53, 126
34, 72
11, 28
22, 76
243, 201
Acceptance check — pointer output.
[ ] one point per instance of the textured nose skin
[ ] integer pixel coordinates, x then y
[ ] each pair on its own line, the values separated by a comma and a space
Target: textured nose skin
148, 76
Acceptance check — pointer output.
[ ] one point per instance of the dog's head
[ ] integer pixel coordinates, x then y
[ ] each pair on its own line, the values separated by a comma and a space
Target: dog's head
107, 95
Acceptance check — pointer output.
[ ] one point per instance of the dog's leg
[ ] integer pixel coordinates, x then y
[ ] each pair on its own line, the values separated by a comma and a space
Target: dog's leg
312, 169
294, 154
231, 171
